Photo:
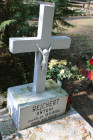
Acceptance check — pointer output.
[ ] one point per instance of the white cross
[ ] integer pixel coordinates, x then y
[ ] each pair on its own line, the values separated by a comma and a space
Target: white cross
43, 41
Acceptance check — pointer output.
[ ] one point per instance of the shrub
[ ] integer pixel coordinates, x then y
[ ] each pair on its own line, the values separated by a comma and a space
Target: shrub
14, 19
15, 15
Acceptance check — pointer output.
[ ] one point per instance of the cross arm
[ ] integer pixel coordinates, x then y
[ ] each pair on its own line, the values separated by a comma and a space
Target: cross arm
61, 42
22, 45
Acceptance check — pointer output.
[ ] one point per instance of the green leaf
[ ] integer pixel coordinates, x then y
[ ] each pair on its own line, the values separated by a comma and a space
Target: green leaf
6, 23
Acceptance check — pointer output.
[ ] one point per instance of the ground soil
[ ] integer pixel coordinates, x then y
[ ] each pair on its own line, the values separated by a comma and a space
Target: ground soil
81, 49
18, 69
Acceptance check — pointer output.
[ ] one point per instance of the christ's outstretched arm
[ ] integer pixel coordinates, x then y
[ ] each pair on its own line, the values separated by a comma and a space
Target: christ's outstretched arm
39, 48
50, 47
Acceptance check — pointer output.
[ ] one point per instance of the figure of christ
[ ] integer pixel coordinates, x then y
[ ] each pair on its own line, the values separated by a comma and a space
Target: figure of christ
45, 54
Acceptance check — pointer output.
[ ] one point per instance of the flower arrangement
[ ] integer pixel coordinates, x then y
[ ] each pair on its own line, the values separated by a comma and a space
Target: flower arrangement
90, 69
61, 70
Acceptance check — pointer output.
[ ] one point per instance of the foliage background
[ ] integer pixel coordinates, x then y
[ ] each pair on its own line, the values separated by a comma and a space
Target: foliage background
15, 15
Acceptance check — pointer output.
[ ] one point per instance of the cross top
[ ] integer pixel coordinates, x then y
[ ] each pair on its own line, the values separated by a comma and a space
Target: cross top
41, 45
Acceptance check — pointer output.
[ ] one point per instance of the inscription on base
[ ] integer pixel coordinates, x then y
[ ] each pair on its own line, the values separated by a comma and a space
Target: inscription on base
40, 112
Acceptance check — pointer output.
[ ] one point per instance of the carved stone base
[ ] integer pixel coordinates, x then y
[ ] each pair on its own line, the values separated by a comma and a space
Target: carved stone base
28, 109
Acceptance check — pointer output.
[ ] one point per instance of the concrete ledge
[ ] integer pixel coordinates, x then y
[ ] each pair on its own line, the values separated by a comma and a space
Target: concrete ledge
70, 126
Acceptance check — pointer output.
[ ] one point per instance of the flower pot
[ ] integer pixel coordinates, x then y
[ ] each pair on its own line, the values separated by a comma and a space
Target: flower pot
59, 82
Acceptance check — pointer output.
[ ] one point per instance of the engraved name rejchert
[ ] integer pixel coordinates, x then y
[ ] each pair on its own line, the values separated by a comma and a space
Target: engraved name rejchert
44, 111
45, 105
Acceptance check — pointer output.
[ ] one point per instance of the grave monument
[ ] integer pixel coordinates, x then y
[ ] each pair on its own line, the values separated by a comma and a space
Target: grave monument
36, 102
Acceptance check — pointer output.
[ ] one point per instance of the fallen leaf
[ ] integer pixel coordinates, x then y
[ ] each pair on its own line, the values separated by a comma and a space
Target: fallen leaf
90, 117
86, 135
89, 136
83, 130
68, 124
38, 129
82, 123
77, 122
58, 122
21, 138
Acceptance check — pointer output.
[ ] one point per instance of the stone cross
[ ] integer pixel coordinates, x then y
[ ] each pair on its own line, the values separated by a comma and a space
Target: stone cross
41, 45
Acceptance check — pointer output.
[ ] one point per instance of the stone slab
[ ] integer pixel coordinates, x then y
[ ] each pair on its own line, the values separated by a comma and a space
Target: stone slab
70, 126
28, 109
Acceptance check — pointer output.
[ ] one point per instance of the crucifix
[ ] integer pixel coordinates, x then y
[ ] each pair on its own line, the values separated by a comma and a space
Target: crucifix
28, 108
41, 45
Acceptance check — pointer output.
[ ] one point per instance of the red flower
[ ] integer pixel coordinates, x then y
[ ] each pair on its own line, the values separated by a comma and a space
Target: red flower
89, 75
91, 61
69, 101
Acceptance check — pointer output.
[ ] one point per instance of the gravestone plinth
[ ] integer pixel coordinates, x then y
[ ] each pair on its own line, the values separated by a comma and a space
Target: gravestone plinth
34, 103
28, 109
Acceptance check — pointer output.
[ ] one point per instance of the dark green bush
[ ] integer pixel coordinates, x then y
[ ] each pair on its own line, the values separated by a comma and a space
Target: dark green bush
14, 19
15, 14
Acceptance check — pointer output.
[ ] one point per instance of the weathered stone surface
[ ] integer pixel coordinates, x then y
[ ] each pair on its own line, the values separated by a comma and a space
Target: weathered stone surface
70, 126
28, 109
